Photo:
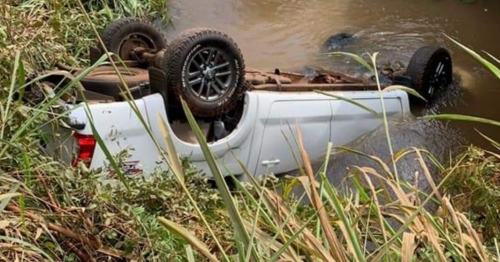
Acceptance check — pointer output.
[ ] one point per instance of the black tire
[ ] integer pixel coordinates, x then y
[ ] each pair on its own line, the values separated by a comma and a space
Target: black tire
105, 80
430, 69
337, 42
123, 35
205, 93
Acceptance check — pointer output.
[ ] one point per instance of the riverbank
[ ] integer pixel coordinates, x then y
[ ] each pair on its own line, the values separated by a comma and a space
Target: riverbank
49, 211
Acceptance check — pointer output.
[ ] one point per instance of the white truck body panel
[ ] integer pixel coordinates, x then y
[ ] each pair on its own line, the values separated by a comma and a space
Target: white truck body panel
258, 141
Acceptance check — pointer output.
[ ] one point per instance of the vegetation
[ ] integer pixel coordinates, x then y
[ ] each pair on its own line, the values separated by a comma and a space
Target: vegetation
53, 212
52, 31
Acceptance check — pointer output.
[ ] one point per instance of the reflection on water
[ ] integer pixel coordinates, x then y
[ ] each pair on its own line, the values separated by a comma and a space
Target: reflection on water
288, 34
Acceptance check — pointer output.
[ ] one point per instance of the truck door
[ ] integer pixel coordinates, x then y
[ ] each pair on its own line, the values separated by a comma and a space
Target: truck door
350, 121
237, 142
278, 143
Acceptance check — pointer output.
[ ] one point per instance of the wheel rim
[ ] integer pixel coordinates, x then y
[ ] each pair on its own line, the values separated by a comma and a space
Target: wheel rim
210, 73
439, 76
132, 41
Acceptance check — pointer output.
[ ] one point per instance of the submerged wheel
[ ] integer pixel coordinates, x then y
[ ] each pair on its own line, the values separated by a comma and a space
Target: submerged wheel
123, 35
337, 42
206, 68
430, 69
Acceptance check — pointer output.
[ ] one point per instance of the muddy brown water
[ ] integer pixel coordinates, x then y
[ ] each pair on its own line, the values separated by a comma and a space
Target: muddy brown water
287, 34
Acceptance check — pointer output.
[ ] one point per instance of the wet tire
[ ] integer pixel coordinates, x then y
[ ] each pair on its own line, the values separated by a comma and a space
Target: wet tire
430, 69
105, 80
206, 68
337, 42
123, 35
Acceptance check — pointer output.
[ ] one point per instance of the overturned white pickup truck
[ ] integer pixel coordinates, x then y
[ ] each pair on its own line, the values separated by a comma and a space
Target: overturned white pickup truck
244, 112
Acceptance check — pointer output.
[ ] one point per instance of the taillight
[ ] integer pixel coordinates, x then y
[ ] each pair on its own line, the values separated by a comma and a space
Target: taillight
85, 149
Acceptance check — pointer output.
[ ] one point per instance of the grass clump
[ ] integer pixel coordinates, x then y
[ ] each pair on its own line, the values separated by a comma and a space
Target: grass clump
64, 214
382, 220
47, 32
475, 189
52, 212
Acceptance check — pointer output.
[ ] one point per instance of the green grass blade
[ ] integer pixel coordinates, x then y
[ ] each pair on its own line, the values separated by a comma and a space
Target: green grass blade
493, 142
279, 229
6, 200
248, 196
450, 244
358, 58
296, 234
492, 57
404, 88
497, 249
384, 114
335, 202
107, 153
351, 234
377, 160
21, 79
190, 254
382, 250
179, 230
13, 81
266, 216
248, 251
236, 219
172, 155
26, 244
8, 196
74, 82
495, 70
459, 117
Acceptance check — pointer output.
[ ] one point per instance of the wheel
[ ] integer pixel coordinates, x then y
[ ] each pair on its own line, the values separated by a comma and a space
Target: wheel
105, 80
337, 42
206, 68
430, 69
123, 35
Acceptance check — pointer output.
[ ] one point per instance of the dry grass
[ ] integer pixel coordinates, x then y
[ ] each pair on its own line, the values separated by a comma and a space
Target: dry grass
47, 32
63, 213
53, 212
476, 190
381, 220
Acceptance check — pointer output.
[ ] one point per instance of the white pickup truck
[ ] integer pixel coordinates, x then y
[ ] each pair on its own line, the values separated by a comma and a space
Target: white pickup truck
244, 112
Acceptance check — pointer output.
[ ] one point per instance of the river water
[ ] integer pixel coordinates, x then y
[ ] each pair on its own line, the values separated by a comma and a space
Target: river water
288, 33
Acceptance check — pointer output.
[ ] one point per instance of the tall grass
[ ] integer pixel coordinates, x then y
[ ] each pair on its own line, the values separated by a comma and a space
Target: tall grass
52, 31
53, 212
380, 221
49, 210
362, 227
477, 185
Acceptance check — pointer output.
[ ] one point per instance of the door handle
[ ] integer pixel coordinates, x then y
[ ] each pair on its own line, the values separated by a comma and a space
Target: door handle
270, 162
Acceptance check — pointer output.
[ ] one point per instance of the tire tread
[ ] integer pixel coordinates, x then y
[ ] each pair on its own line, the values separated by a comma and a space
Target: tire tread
114, 29
419, 66
174, 58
